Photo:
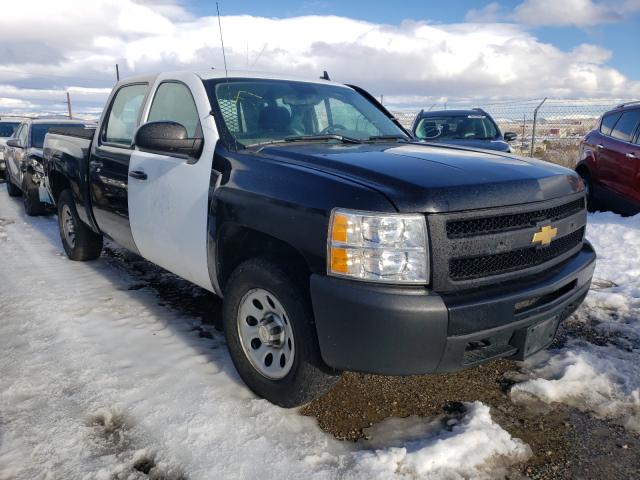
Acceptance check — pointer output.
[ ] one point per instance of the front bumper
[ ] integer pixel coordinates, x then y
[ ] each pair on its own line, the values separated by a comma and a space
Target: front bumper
410, 330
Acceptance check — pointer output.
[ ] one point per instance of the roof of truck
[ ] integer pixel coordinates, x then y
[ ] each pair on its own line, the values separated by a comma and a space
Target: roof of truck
217, 73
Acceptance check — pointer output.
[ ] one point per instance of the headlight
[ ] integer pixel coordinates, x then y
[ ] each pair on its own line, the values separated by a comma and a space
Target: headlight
389, 248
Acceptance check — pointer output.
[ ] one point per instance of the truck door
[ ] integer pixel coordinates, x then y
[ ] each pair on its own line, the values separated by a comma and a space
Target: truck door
109, 163
169, 196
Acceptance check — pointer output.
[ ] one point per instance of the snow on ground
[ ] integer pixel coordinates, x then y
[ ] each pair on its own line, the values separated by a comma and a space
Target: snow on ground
100, 382
602, 375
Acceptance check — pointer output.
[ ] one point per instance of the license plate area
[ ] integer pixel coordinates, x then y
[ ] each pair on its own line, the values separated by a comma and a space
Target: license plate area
540, 335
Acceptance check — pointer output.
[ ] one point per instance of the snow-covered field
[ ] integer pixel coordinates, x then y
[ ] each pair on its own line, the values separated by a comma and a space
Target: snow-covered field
98, 381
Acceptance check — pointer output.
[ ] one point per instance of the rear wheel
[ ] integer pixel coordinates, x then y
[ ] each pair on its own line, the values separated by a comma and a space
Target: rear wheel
31, 196
268, 323
592, 202
79, 241
12, 189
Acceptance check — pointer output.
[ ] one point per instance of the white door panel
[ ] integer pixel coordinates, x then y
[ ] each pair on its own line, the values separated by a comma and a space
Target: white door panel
168, 211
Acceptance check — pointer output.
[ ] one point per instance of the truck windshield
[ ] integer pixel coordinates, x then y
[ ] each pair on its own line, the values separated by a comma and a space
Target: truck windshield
39, 130
456, 127
259, 111
7, 129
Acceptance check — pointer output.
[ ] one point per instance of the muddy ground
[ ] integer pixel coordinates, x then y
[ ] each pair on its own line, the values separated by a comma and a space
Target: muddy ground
566, 443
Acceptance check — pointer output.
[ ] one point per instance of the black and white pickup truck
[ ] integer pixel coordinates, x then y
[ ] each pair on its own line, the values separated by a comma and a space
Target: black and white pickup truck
336, 241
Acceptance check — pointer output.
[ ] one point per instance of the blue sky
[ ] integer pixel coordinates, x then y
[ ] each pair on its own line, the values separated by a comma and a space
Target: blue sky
621, 37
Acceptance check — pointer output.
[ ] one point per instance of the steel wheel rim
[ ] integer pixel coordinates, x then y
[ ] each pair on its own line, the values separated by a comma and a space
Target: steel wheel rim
68, 227
265, 333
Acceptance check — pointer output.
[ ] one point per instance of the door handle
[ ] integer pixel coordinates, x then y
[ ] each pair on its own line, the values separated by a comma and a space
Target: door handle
599, 146
95, 164
138, 174
631, 155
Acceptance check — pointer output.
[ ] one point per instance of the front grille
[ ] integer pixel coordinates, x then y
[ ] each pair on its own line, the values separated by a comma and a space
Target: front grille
498, 263
504, 223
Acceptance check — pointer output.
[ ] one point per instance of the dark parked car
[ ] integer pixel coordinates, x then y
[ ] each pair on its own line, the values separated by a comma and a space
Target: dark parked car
8, 126
336, 241
609, 160
471, 128
23, 158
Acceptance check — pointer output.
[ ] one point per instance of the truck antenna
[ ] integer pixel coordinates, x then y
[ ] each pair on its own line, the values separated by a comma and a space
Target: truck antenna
224, 57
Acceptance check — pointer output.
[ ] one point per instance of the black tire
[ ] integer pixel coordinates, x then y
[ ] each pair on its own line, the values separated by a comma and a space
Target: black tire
31, 197
86, 244
308, 377
592, 202
12, 189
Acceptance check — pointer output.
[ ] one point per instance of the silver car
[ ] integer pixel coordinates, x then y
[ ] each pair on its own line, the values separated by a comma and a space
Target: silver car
8, 126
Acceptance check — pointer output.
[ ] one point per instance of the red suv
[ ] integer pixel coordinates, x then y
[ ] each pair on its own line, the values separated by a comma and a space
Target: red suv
609, 161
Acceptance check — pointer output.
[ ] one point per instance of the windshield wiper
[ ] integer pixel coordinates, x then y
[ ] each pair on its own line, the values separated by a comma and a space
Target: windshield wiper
388, 137
307, 138
331, 136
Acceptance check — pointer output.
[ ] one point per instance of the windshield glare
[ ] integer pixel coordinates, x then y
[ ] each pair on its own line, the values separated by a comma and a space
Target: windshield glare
456, 127
260, 111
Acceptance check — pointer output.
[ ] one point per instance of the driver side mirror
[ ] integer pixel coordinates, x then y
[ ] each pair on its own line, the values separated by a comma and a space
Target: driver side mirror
168, 138
510, 136
14, 142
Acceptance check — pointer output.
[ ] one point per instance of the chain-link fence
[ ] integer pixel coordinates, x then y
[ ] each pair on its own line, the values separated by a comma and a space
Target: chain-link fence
552, 134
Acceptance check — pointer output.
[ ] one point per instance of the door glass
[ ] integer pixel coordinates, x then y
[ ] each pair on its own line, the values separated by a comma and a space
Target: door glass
124, 113
626, 126
608, 121
22, 136
173, 102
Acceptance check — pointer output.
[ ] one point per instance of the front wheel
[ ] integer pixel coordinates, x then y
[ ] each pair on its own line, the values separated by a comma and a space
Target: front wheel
79, 241
268, 324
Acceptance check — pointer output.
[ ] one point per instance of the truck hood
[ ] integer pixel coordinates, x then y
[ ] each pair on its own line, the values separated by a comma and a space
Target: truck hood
428, 178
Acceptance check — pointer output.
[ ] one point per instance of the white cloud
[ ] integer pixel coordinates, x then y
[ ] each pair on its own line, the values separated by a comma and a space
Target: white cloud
557, 13
75, 44
579, 13
490, 13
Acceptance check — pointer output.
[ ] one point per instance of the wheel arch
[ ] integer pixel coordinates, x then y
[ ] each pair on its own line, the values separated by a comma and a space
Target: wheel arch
57, 184
237, 243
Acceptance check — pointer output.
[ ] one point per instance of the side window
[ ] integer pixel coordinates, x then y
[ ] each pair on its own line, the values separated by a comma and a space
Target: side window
626, 126
23, 134
124, 113
608, 121
173, 102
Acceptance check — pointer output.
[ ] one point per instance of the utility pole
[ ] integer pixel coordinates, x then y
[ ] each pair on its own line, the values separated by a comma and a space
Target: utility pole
381, 99
535, 119
69, 105
117, 73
